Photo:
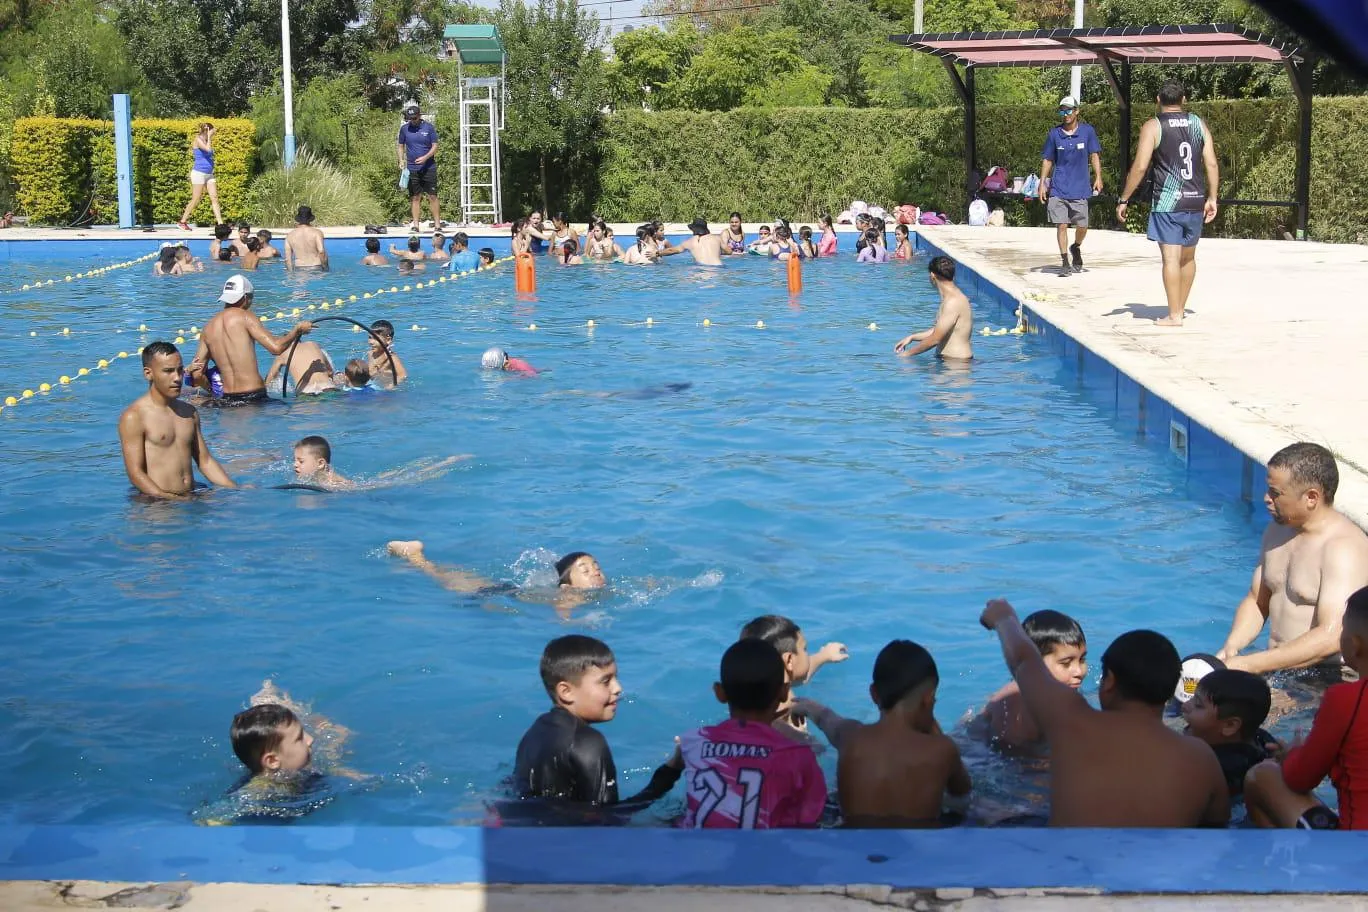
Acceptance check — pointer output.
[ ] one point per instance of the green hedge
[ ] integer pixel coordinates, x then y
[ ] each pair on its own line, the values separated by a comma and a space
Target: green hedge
60, 165
800, 162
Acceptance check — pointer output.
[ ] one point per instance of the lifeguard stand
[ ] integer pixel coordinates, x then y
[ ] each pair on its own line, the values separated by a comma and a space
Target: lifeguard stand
481, 102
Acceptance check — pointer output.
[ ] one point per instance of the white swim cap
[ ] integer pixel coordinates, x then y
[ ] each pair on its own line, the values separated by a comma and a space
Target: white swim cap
494, 359
1195, 667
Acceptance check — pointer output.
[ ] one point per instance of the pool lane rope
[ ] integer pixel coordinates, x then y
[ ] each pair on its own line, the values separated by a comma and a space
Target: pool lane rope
104, 363
285, 374
89, 274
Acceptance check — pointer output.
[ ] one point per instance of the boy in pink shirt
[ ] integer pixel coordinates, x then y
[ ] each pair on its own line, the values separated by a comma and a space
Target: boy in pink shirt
498, 359
741, 773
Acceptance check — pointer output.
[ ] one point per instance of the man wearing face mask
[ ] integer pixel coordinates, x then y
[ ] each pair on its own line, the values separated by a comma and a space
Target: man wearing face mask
1069, 149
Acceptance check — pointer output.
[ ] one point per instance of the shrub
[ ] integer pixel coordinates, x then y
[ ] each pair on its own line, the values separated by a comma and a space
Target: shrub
336, 198
64, 166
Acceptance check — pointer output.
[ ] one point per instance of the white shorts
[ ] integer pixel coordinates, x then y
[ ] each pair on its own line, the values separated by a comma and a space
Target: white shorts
199, 178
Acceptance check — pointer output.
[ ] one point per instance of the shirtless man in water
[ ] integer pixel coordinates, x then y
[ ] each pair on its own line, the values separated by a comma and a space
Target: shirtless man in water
228, 340
311, 369
1122, 766
953, 333
160, 435
705, 246
304, 244
1310, 561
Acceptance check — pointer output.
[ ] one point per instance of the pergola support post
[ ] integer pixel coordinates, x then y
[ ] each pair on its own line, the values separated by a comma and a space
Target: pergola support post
1301, 86
1127, 138
970, 139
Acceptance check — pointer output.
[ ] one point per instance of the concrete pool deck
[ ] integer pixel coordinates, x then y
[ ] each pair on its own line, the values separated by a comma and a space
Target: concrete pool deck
1269, 352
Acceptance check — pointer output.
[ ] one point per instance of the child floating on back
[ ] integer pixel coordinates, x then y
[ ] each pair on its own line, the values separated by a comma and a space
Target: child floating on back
896, 772
741, 773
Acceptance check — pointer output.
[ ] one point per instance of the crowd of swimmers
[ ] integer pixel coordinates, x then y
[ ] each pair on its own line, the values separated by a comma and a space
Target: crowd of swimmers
1117, 765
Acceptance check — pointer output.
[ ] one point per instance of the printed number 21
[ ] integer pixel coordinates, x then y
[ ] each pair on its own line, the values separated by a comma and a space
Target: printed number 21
714, 788
1185, 153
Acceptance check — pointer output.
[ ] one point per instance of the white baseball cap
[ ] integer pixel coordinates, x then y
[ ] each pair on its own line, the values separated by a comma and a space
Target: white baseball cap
235, 289
1068, 101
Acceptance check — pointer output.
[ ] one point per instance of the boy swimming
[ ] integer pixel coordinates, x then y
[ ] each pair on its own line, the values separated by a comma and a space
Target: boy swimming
500, 360
741, 773
1226, 711
562, 757
313, 464
1059, 638
373, 255
269, 739
380, 361
799, 667
577, 574
895, 772
1120, 767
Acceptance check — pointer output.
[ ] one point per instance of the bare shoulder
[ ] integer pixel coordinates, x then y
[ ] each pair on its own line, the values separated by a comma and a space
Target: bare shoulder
132, 417
1347, 536
1275, 536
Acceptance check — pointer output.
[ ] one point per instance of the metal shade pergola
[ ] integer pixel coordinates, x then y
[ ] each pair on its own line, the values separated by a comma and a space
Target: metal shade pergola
1116, 50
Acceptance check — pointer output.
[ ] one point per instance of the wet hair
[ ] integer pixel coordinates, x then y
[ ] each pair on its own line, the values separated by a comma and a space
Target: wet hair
805, 233
243, 226
265, 236
565, 563
316, 445
461, 238
258, 731
752, 675
902, 668
167, 257
775, 629
942, 267
783, 233
1239, 695
734, 215
824, 220
518, 227
1310, 464
357, 372
1051, 629
157, 349
871, 235
569, 249
487, 253
406, 266
383, 328
223, 231
183, 253
372, 245
226, 253
1144, 666
1172, 92
415, 242
252, 243
567, 658
901, 229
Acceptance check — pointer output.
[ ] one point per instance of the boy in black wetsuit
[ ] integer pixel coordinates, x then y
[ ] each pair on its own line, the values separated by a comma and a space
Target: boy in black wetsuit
1226, 711
562, 757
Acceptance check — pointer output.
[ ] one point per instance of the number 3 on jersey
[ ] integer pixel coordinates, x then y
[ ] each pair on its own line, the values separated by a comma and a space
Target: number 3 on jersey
1185, 153
711, 788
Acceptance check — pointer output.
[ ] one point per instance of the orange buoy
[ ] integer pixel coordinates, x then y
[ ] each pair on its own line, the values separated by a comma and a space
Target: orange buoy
524, 274
795, 274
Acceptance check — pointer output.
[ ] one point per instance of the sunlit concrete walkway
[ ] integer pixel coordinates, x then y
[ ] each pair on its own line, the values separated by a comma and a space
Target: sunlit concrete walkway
1271, 352
25, 896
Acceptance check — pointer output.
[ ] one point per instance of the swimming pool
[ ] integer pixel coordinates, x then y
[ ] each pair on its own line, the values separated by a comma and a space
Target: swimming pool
806, 471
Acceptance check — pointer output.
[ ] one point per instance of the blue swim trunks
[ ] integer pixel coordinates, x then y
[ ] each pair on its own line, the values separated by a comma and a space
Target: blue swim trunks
1181, 228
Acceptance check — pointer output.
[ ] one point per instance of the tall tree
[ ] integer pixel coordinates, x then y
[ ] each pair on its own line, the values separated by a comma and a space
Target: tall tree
556, 84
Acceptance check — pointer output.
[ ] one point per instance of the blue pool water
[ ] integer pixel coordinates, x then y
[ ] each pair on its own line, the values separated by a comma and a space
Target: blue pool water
806, 472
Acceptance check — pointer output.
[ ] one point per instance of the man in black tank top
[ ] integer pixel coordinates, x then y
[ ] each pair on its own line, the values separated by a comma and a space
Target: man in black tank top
1186, 178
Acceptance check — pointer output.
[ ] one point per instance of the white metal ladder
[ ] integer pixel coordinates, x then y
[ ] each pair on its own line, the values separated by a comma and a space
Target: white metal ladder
481, 121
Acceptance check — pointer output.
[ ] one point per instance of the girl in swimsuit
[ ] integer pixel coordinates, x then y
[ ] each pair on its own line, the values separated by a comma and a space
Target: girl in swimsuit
733, 237
761, 245
806, 249
537, 235
643, 252
783, 246
904, 249
570, 253
827, 246
519, 242
561, 232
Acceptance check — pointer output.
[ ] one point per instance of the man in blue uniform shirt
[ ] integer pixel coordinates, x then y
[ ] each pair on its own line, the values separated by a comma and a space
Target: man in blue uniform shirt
417, 153
1069, 149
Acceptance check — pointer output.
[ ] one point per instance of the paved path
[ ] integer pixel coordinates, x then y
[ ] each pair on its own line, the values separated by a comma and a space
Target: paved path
36, 896
1271, 352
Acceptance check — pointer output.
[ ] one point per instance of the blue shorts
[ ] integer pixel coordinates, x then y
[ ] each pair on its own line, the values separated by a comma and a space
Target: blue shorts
1181, 228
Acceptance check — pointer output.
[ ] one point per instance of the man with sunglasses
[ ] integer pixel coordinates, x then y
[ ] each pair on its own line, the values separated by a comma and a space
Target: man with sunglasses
1069, 150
